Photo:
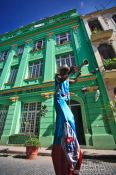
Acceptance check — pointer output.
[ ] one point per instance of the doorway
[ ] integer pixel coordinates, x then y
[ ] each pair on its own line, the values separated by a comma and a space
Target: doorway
76, 110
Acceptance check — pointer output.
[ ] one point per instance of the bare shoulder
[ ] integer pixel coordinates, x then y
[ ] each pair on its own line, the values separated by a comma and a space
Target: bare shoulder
60, 78
57, 77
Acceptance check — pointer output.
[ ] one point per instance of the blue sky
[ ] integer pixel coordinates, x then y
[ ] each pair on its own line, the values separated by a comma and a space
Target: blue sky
17, 13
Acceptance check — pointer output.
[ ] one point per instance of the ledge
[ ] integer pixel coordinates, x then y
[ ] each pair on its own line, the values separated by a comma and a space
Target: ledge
9, 83
17, 55
101, 35
110, 74
36, 50
67, 42
31, 79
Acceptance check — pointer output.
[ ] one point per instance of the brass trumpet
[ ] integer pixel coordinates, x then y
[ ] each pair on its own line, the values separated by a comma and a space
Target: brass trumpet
75, 69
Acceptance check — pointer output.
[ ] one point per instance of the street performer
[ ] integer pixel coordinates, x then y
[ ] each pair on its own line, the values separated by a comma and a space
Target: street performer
66, 152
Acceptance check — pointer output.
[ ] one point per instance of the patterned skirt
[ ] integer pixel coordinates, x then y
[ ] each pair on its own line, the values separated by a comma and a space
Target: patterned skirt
66, 153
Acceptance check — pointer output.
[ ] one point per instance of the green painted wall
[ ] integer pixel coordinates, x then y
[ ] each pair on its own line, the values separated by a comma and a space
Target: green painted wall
98, 123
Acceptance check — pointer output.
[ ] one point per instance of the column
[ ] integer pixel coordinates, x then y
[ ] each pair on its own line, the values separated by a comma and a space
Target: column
23, 65
80, 47
49, 69
47, 124
10, 126
6, 69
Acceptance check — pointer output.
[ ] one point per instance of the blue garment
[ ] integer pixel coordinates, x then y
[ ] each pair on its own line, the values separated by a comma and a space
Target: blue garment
65, 131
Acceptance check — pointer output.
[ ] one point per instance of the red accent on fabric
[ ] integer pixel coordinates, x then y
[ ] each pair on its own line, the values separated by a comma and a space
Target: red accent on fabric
80, 160
60, 162
69, 140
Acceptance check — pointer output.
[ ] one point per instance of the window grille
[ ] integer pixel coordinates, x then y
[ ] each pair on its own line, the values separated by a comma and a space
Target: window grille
30, 120
35, 70
12, 76
65, 59
62, 38
3, 115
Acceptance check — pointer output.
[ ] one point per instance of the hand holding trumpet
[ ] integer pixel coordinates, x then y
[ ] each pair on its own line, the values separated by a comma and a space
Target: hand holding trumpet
75, 69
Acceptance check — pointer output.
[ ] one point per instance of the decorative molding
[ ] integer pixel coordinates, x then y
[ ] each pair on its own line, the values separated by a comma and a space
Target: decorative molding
92, 88
49, 35
14, 99
87, 79
47, 95
72, 94
28, 41
40, 86
13, 46
75, 28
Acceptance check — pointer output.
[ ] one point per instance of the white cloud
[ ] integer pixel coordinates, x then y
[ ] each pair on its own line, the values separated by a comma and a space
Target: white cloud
82, 3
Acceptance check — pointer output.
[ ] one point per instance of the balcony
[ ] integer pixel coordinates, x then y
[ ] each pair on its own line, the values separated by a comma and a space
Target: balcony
98, 36
110, 68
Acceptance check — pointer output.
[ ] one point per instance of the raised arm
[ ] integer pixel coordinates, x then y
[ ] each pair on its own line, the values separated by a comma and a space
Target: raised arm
71, 81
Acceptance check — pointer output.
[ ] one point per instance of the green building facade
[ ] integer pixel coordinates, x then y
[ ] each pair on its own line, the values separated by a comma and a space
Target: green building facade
29, 58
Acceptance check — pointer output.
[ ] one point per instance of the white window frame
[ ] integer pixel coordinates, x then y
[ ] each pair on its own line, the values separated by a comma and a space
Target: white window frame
35, 69
13, 74
30, 118
4, 55
36, 44
60, 37
67, 59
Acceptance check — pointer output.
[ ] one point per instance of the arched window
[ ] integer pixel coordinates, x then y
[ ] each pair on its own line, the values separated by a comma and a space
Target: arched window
106, 51
114, 18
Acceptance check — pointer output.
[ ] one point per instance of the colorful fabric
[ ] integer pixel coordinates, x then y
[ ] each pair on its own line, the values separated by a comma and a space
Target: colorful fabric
65, 132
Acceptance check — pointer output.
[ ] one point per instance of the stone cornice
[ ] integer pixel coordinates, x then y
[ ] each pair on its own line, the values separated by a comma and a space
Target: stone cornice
27, 36
96, 13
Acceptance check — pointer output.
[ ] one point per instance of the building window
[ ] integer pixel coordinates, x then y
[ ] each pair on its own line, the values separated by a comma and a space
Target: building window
114, 18
106, 51
63, 38
38, 45
20, 50
0, 72
12, 76
4, 55
65, 59
3, 115
95, 25
30, 119
35, 69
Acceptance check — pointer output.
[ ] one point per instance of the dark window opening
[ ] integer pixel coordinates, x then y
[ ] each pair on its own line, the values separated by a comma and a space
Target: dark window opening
106, 51
95, 25
76, 110
114, 18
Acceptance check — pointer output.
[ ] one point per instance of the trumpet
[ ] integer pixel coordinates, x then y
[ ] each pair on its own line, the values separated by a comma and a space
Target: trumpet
75, 69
